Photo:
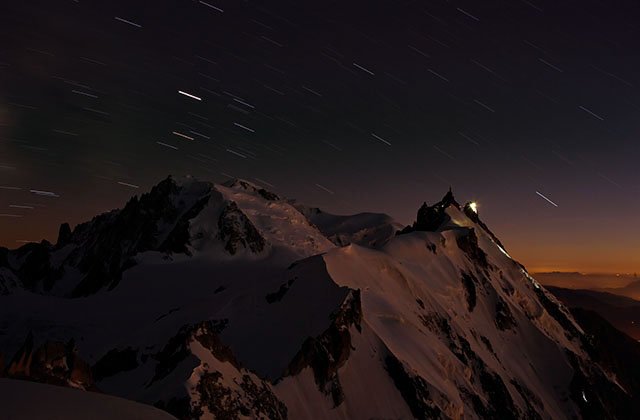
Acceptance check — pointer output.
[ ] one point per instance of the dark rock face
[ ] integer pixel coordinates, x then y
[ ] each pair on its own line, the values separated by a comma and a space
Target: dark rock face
488, 345
469, 283
177, 348
207, 334
237, 231
267, 195
36, 267
506, 286
257, 402
8, 282
499, 402
166, 314
64, 235
430, 218
326, 353
468, 242
530, 399
219, 398
112, 239
114, 362
279, 294
253, 398
179, 237
437, 324
53, 362
504, 318
105, 246
414, 390
471, 214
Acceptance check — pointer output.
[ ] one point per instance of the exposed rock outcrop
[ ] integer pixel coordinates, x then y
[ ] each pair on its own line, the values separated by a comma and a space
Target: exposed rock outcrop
114, 362
326, 353
230, 395
52, 362
237, 231
430, 218
64, 235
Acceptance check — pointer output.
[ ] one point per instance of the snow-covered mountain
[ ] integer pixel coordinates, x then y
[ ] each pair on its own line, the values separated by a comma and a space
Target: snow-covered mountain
228, 301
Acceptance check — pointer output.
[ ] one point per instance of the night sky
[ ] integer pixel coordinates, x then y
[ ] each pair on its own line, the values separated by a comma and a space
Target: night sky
529, 107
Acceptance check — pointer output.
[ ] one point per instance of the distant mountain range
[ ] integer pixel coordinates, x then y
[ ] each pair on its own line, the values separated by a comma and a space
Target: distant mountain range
631, 290
228, 301
592, 281
622, 312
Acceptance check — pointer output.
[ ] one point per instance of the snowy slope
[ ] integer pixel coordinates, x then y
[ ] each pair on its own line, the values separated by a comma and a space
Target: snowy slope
414, 300
22, 400
217, 301
366, 229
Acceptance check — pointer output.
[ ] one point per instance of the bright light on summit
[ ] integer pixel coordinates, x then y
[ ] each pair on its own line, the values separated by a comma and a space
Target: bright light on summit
473, 206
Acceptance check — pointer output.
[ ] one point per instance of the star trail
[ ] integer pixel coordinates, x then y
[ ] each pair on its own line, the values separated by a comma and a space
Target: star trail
528, 108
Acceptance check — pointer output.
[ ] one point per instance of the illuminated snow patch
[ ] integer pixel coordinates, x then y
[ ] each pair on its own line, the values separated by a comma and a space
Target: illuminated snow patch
503, 251
531, 279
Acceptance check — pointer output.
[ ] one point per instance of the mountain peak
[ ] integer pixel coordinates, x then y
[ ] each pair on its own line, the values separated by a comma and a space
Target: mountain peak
435, 217
240, 183
243, 184
235, 305
430, 218
449, 199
